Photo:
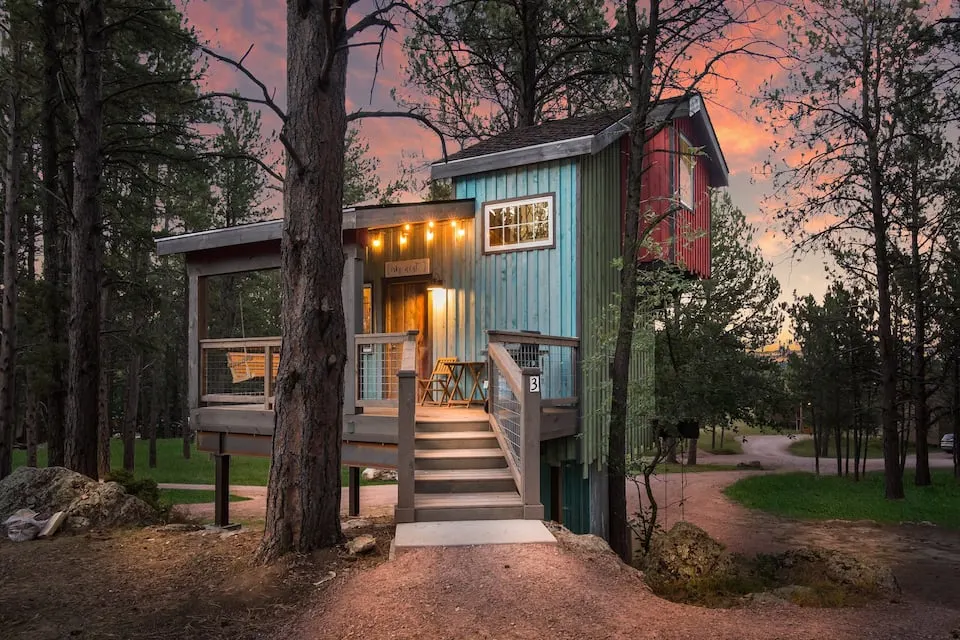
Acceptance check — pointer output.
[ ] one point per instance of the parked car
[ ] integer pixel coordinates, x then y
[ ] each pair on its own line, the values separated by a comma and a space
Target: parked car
946, 443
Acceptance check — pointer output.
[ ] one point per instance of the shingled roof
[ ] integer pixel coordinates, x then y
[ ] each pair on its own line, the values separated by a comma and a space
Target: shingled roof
577, 136
551, 131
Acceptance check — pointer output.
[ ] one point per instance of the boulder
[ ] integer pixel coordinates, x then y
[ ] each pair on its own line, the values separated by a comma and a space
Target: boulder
753, 465
87, 503
379, 475
584, 542
842, 568
361, 544
685, 552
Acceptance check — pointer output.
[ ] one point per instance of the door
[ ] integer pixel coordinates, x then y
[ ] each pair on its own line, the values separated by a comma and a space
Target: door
407, 309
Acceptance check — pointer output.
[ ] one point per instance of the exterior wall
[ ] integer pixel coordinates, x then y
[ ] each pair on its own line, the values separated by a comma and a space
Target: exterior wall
521, 290
683, 237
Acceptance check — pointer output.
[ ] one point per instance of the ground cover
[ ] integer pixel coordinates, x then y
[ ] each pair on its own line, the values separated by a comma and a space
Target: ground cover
826, 497
193, 496
804, 448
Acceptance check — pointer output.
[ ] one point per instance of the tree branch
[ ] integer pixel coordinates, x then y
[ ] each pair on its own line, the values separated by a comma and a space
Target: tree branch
412, 115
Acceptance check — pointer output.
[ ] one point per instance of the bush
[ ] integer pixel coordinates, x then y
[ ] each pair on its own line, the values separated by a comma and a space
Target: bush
144, 488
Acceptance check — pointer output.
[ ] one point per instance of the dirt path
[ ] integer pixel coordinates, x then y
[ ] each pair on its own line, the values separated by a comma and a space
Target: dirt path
557, 592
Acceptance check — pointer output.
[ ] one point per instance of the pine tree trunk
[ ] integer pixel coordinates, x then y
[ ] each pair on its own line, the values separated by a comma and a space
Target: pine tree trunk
918, 387
32, 428
303, 498
132, 409
53, 237
154, 417
11, 219
671, 456
692, 451
104, 430
185, 428
83, 372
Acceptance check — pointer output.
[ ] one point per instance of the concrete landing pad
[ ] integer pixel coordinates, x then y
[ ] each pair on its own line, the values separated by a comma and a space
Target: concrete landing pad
471, 532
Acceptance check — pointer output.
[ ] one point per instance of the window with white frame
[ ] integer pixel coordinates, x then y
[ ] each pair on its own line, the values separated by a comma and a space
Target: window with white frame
687, 164
515, 225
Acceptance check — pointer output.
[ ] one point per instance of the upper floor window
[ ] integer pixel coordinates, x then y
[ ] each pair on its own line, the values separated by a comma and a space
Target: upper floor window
687, 163
513, 225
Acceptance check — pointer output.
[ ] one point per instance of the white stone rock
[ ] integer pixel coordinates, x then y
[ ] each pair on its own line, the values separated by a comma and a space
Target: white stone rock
361, 544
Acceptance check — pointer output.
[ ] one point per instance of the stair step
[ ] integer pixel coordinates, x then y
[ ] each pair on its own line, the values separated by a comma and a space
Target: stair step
457, 440
464, 481
435, 426
468, 506
488, 458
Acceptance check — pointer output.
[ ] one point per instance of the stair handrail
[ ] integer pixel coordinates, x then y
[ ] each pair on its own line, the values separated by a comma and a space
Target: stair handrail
517, 427
406, 428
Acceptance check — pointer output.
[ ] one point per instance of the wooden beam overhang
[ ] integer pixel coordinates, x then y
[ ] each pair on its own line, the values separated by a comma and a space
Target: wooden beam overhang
268, 232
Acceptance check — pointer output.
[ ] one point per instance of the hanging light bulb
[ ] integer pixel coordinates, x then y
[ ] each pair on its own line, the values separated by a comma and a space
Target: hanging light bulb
403, 239
406, 227
377, 242
430, 224
429, 235
461, 232
453, 223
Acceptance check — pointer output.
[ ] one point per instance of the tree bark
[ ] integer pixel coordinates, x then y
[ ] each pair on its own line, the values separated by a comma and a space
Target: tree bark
303, 498
185, 429
132, 409
530, 23
918, 386
692, 452
154, 416
104, 427
32, 428
83, 372
8, 342
643, 52
53, 237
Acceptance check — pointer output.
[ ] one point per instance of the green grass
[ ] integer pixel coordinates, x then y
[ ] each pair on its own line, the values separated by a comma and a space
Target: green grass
172, 467
804, 448
192, 496
805, 495
697, 468
732, 443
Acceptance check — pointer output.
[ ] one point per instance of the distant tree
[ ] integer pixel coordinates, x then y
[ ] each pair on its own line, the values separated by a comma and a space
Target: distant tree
487, 66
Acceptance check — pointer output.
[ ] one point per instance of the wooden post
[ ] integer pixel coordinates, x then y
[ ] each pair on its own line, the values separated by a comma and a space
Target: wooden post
267, 376
406, 430
221, 507
197, 330
530, 444
354, 482
352, 291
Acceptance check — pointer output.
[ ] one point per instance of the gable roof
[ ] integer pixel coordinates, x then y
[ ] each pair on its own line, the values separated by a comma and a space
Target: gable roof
581, 135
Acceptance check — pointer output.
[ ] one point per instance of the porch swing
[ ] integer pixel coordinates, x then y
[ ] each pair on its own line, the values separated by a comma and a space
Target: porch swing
246, 366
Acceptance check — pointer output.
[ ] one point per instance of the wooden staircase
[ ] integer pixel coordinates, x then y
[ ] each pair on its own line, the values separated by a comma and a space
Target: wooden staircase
461, 473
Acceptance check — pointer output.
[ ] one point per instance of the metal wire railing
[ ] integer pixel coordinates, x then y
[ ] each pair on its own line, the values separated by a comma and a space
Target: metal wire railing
239, 370
505, 408
378, 360
556, 358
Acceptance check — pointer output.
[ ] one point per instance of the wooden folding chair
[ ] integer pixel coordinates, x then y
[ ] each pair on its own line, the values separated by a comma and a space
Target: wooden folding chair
439, 380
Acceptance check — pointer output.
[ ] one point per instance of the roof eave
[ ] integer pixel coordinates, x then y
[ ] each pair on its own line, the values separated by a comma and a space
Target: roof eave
512, 158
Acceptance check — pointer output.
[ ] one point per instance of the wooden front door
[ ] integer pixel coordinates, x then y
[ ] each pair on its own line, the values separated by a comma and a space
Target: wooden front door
407, 308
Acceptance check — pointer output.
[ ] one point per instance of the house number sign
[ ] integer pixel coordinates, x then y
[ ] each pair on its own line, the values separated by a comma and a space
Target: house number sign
401, 268
534, 384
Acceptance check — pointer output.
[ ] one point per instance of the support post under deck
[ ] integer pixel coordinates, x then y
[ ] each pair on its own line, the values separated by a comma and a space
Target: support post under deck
221, 507
354, 481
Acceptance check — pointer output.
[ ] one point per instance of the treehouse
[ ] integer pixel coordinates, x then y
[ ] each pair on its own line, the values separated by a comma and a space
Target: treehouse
476, 366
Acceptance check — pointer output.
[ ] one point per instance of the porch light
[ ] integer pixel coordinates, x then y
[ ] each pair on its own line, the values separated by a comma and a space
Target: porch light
435, 284
453, 223
430, 224
461, 232
403, 239
406, 227
429, 235
377, 242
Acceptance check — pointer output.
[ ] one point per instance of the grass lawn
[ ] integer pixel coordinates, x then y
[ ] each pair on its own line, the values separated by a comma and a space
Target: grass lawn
192, 496
732, 444
805, 448
172, 467
697, 468
804, 495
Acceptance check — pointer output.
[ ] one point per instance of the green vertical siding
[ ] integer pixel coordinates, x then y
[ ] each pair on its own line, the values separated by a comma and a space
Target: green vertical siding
600, 237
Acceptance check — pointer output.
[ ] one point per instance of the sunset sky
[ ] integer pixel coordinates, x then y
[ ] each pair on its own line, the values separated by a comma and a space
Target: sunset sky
231, 26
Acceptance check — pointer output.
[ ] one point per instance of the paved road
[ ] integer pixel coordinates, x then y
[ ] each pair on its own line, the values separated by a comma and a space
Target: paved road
772, 452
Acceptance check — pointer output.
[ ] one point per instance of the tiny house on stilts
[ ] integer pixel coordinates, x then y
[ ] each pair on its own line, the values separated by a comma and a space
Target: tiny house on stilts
469, 321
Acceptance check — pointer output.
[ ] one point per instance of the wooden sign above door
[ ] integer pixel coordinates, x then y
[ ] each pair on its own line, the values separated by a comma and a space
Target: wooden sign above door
402, 268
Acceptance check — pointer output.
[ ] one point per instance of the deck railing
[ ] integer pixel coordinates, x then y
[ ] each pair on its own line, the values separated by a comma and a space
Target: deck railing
513, 395
406, 428
556, 357
378, 360
239, 370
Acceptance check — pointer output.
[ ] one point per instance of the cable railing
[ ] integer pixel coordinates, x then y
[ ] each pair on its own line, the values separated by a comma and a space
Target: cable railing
239, 370
556, 358
378, 360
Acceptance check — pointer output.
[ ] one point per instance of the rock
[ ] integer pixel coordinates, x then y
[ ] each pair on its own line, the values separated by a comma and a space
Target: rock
585, 542
87, 503
356, 523
753, 464
684, 552
842, 568
361, 544
794, 591
379, 475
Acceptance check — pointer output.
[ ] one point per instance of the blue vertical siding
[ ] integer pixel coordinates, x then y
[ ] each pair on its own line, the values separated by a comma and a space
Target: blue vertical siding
533, 289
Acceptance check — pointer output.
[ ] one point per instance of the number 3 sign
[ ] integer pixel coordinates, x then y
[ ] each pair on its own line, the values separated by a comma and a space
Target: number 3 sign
534, 384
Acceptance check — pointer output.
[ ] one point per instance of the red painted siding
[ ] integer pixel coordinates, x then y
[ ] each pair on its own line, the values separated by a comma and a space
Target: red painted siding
683, 237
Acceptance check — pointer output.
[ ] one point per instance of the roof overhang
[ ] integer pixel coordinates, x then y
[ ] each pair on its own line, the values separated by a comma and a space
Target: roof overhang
368, 217
591, 144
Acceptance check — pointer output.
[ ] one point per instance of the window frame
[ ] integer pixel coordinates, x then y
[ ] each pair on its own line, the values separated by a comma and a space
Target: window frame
549, 242
687, 163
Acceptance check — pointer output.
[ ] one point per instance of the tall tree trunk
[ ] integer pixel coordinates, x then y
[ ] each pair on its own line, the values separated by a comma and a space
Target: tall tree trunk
104, 426
131, 409
185, 428
918, 386
303, 498
53, 238
956, 416
692, 451
530, 27
83, 372
154, 416
32, 427
11, 219
642, 52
